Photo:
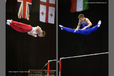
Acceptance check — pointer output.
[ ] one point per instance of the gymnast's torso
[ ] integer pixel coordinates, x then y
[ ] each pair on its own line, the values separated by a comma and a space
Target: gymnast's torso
84, 23
33, 29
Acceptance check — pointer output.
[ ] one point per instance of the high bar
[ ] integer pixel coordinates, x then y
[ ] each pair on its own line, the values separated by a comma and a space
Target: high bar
87, 55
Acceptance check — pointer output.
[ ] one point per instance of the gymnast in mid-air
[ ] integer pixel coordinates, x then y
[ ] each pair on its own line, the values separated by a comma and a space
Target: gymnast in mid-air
85, 23
24, 28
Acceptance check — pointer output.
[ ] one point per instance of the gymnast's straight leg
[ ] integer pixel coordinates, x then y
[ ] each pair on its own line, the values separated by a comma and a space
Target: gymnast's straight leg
18, 26
79, 31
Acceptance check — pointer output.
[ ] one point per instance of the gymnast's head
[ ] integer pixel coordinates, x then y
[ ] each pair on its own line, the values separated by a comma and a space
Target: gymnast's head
43, 34
81, 17
40, 32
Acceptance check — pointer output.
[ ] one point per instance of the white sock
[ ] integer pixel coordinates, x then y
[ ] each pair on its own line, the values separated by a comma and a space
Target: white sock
61, 27
8, 22
99, 23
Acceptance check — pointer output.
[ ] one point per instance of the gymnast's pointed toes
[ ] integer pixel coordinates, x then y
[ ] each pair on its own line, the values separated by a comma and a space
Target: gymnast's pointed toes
61, 27
99, 23
9, 21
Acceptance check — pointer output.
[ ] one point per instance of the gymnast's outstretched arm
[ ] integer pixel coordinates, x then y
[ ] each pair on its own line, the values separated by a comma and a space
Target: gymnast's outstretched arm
78, 26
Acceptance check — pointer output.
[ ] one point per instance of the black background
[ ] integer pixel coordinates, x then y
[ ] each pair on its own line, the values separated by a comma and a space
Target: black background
71, 44
88, 66
23, 51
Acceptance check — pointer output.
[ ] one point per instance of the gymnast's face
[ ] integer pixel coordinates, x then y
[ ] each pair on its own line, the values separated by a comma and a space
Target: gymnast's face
82, 18
39, 31
42, 34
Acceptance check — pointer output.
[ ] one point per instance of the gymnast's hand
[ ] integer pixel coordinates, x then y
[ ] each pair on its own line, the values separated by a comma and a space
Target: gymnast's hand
78, 26
83, 29
75, 30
